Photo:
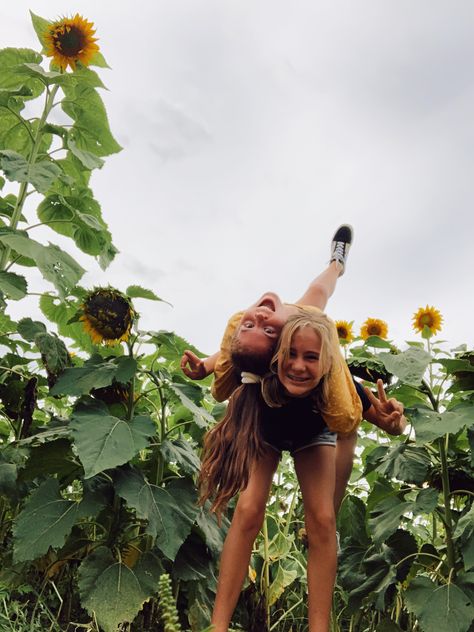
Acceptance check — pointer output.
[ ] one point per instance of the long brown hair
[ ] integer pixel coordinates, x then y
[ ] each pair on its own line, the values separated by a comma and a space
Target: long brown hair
231, 448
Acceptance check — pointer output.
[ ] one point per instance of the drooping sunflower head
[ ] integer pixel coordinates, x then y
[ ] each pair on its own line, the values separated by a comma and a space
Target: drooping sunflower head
107, 315
427, 317
70, 40
374, 327
344, 331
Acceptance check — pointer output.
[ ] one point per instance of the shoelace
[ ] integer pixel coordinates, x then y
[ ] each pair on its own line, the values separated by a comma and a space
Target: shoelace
339, 250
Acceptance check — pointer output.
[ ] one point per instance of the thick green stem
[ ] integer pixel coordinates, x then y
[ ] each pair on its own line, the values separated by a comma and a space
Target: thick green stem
448, 519
286, 530
266, 572
17, 211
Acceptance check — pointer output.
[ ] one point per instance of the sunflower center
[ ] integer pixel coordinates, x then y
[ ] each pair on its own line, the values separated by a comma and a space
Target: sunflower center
69, 40
373, 330
342, 332
427, 320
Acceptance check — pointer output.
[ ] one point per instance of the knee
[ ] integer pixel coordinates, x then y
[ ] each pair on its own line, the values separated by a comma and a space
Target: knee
320, 527
249, 516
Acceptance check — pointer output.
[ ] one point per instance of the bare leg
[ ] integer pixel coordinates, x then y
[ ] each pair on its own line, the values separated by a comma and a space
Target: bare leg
345, 448
322, 287
315, 468
246, 523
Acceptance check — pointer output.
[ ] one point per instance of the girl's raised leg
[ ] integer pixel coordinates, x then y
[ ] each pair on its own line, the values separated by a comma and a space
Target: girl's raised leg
246, 523
315, 468
323, 286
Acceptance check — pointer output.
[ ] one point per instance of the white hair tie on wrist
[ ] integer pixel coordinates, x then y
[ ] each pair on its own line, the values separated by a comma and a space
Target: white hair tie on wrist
250, 378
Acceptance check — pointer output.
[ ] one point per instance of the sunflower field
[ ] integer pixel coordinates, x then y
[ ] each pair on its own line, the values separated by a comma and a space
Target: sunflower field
100, 432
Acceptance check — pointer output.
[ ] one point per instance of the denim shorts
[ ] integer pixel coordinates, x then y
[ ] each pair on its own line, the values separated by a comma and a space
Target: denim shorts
298, 443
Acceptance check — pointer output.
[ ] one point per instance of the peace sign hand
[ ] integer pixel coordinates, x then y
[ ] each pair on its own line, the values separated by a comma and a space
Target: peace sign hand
388, 412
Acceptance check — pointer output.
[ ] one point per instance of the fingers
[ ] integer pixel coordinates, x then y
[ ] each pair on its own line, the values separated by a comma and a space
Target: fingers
396, 405
189, 358
381, 390
373, 400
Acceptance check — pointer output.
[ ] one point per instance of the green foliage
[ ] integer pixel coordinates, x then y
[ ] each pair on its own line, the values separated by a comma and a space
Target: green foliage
112, 591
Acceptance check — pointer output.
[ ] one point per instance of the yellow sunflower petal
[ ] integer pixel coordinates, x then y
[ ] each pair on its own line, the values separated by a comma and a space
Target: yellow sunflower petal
427, 317
71, 40
374, 327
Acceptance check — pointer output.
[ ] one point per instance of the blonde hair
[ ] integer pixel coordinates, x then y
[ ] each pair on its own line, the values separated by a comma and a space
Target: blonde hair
272, 389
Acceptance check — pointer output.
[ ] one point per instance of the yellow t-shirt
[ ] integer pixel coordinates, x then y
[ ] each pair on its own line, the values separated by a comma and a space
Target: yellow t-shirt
344, 408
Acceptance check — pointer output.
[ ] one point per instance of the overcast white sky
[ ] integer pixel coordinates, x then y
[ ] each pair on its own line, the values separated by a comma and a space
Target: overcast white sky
252, 129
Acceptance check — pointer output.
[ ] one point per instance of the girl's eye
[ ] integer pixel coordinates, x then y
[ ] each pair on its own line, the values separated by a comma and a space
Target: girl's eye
269, 330
247, 325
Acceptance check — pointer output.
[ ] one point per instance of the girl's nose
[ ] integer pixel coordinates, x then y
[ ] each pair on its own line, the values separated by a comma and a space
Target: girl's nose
297, 364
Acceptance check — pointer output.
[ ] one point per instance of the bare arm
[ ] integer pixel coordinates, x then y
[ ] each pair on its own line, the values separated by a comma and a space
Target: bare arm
198, 368
384, 413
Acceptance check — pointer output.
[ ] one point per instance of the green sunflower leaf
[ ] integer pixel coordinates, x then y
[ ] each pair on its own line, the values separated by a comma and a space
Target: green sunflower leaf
89, 160
46, 520
112, 591
409, 366
180, 451
40, 25
11, 60
28, 328
95, 373
103, 441
41, 174
135, 291
200, 415
439, 608
211, 532
170, 511
282, 579
430, 425
55, 265
98, 60
13, 285
53, 352
90, 131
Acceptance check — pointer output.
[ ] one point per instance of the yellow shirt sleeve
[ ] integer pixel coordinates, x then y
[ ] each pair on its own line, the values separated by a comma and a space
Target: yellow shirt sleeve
226, 379
343, 412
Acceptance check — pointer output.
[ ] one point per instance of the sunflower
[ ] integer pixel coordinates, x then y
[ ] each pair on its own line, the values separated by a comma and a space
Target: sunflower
70, 40
344, 331
374, 327
107, 316
427, 317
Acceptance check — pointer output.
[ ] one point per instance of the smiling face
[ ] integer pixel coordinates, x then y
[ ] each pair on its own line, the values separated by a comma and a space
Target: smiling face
261, 324
300, 371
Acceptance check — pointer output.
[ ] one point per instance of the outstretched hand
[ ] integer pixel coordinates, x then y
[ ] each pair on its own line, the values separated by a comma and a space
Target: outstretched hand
388, 413
192, 366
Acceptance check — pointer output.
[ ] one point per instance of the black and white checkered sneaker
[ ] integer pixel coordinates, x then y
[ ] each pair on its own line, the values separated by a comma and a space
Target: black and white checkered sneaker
341, 244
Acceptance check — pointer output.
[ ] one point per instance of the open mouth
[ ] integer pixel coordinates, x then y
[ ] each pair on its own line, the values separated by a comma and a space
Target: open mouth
297, 379
267, 302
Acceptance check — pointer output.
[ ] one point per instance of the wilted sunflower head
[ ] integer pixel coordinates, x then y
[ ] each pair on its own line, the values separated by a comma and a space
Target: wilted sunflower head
427, 317
374, 327
70, 40
344, 331
107, 316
